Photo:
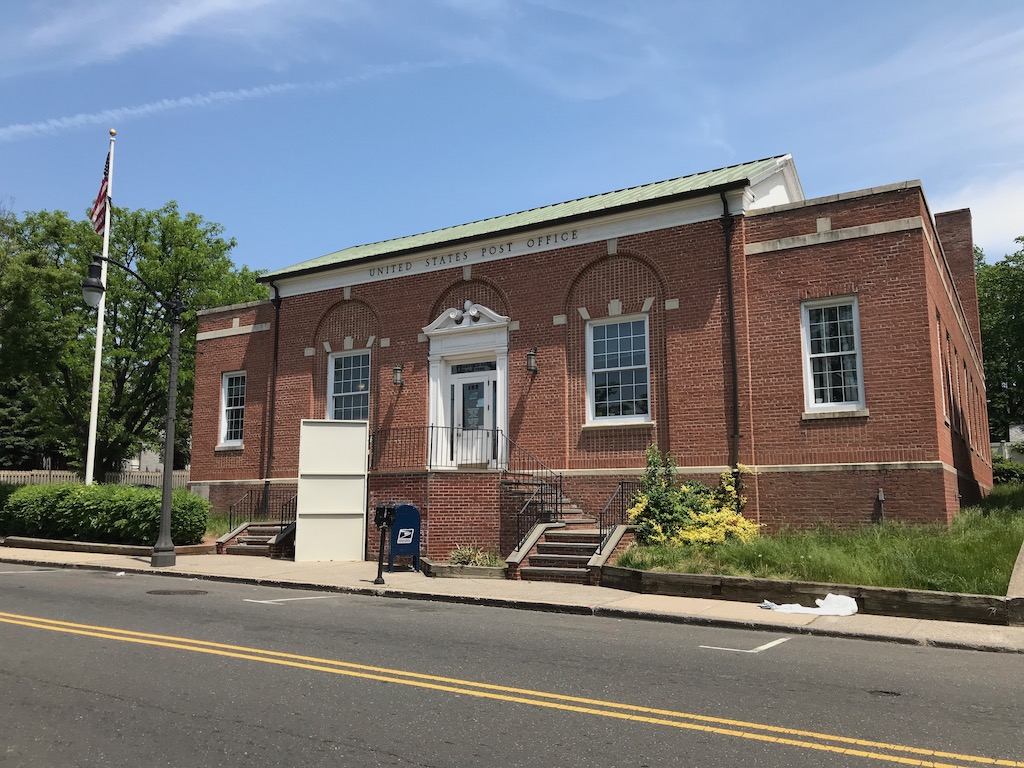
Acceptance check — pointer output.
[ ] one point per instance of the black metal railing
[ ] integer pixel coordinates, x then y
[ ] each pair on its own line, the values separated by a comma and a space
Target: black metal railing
434, 447
534, 488
614, 512
264, 505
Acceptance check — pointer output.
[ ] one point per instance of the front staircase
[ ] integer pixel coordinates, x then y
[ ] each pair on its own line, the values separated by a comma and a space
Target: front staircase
571, 547
562, 554
259, 540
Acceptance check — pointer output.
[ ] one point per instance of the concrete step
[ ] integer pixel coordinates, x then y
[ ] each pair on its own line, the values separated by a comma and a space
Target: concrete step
562, 575
268, 530
578, 521
248, 549
558, 561
254, 540
565, 548
573, 535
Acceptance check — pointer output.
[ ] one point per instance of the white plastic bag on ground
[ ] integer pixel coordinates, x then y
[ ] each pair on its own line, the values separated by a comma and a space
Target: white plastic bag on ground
829, 605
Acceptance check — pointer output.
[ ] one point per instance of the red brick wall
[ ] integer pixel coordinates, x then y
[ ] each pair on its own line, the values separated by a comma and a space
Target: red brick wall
249, 352
958, 379
848, 499
903, 311
456, 509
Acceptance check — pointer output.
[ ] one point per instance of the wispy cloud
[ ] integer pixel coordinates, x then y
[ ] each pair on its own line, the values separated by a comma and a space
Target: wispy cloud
72, 33
57, 125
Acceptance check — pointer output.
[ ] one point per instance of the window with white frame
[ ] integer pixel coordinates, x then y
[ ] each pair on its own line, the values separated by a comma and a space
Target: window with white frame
618, 370
833, 375
348, 386
232, 408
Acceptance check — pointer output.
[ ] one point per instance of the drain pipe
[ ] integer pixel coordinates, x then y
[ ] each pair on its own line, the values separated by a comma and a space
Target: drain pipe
276, 301
728, 221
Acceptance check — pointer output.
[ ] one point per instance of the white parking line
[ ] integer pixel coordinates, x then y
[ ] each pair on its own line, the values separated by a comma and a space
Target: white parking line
288, 599
760, 648
38, 570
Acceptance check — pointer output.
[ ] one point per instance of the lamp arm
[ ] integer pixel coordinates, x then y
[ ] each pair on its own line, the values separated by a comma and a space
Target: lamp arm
174, 305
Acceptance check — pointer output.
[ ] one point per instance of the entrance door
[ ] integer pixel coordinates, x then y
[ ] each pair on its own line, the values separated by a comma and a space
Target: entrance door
473, 408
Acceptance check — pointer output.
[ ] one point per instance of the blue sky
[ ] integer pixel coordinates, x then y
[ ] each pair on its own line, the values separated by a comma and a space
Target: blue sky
306, 126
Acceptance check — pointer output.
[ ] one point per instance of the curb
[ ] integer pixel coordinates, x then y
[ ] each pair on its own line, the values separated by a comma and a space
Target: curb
522, 605
131, 550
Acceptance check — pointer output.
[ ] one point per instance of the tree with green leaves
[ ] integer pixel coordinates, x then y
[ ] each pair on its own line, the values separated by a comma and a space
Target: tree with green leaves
1001, 305
47, 334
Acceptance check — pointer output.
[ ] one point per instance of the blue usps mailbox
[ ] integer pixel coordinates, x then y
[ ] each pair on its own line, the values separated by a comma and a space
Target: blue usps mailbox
405, 536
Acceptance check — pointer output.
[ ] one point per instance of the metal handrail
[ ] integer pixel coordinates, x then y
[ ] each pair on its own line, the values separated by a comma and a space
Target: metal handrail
264, 505
544, 504
614, 512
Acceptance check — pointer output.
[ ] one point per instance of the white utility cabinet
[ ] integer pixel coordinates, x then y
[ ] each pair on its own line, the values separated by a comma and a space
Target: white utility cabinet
330, 522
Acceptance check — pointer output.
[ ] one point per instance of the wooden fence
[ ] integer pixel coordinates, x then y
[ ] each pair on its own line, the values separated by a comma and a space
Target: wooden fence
179, 478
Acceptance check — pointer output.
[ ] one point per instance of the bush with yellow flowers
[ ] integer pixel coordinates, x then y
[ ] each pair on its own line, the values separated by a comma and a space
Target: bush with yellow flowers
666, 512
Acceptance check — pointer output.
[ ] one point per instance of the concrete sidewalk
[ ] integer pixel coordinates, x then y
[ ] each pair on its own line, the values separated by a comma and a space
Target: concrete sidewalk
358, 577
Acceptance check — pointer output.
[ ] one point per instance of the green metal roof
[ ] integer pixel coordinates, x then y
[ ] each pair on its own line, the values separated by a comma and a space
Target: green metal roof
646, 194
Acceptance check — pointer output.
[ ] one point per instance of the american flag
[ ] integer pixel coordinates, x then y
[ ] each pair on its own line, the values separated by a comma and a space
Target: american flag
99, 208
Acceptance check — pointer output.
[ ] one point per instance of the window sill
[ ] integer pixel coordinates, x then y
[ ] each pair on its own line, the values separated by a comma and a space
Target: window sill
229, 447
815, 415
618, 424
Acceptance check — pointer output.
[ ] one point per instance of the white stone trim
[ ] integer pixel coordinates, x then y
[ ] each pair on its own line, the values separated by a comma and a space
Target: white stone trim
235, 330
868, 466
231, 308
814, 415
834, 236
544, 238
852, 195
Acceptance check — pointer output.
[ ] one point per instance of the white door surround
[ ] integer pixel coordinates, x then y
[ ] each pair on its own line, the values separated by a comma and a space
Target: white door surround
468, 358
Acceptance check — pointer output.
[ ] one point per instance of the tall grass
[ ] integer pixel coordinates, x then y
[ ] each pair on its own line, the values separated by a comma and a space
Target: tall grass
217, 525
974, 555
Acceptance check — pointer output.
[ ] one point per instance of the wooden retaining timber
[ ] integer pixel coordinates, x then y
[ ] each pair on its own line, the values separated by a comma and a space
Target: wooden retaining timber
879, 601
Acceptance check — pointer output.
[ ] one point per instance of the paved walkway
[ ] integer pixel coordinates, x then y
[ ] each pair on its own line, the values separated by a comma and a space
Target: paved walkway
357, 578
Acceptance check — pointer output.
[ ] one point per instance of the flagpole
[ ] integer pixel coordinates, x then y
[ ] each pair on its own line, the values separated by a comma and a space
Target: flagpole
97, 363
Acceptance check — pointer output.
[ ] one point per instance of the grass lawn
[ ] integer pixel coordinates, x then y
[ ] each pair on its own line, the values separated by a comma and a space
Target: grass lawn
974, 555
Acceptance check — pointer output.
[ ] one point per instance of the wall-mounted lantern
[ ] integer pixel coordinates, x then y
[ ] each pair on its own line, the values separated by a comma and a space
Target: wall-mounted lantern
531, 360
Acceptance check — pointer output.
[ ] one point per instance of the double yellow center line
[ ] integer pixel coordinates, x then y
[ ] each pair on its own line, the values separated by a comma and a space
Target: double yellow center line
791, 737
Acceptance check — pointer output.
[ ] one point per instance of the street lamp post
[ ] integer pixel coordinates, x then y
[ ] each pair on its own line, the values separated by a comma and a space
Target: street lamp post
92, 291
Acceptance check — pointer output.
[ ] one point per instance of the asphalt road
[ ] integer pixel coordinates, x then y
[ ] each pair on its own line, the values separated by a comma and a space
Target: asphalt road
106, 670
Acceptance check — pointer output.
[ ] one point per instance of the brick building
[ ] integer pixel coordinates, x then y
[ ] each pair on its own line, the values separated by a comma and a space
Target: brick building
831, 345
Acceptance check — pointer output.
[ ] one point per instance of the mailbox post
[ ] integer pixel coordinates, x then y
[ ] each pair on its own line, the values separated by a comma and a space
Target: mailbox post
383, 518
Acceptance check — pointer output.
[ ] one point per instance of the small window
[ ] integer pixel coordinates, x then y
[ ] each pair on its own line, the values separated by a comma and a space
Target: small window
348, 387
833, 376
618, 371
232, 419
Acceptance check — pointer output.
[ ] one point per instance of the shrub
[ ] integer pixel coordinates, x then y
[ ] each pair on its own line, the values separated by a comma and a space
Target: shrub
1007, 470
110, 514
687, 514
6, 489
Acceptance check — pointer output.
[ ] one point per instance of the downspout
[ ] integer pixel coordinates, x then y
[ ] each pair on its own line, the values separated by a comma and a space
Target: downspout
728, 221
276, 301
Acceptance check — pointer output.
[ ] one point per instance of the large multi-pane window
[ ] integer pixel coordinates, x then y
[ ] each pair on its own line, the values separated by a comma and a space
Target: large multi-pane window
232, 417
348, 387
618, 368
832, 363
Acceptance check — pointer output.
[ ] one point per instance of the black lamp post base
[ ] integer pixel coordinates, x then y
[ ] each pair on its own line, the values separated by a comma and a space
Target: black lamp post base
162, 558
